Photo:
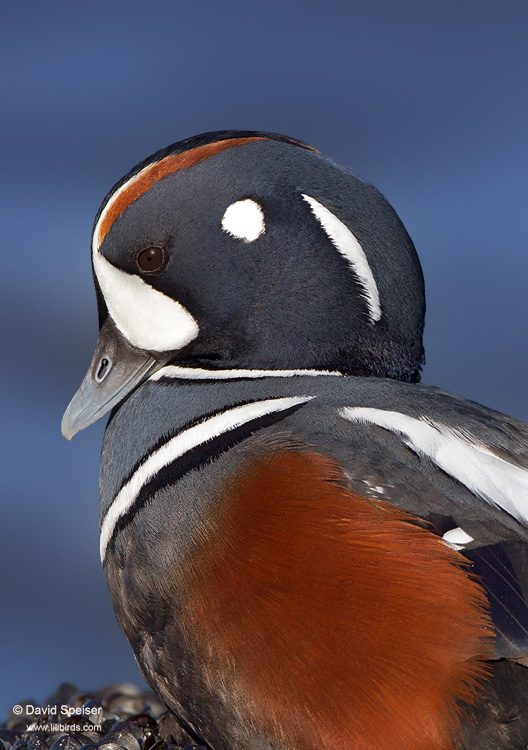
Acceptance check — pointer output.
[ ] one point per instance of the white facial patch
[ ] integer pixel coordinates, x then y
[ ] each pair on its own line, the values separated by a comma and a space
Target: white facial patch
244, 220
493, 479
147, 318
348, 246
182, 443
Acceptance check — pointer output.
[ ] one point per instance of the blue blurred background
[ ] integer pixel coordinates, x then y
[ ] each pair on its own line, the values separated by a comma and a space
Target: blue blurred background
427, 100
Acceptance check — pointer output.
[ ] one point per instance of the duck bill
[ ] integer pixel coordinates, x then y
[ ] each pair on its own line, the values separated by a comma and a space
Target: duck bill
116, 369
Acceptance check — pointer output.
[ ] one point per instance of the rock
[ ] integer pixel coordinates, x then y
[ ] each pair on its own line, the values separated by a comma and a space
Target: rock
118, 717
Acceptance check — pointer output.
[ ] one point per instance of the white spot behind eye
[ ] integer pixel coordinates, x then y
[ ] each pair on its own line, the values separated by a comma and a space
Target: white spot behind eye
244, 220
347, 244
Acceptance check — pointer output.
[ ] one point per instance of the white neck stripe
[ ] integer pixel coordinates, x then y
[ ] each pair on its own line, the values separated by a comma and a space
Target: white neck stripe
197, 373
348, 246
181, 444
490, 477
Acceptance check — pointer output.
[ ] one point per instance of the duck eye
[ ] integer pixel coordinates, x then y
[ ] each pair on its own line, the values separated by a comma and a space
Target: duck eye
150, 259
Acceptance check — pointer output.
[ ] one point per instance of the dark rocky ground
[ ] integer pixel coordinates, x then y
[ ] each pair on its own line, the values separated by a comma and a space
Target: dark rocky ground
128, 719
118, 717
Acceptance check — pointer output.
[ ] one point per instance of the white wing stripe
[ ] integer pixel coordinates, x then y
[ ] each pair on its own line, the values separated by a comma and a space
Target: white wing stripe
490, 477
457, 538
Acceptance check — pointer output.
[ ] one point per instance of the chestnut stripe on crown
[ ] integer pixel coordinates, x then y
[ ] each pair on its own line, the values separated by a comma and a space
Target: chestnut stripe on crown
152, 173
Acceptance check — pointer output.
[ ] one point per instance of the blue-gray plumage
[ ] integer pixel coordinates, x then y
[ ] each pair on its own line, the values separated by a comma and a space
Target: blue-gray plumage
378, 462
304, 546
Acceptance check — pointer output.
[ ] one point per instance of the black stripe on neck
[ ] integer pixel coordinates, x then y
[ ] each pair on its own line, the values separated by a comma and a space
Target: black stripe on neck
201, 455
167, 437
168, 380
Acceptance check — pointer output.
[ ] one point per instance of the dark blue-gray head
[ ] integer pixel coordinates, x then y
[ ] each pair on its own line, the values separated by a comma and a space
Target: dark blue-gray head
248, 250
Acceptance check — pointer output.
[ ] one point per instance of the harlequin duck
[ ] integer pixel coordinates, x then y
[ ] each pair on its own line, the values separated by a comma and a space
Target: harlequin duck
304, 546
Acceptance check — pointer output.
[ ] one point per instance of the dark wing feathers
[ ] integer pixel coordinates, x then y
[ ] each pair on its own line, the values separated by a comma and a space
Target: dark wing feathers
379, 465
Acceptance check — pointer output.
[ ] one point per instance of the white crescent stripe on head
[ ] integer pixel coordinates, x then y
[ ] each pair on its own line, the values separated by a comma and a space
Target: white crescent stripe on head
492, 478
345, 242
197, 373
181, 444
147, 318
97, 239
